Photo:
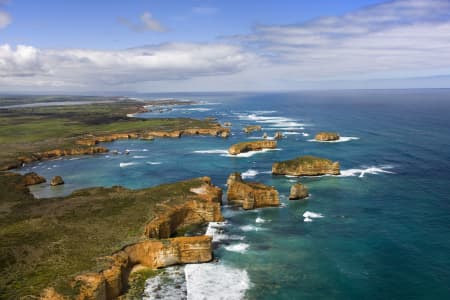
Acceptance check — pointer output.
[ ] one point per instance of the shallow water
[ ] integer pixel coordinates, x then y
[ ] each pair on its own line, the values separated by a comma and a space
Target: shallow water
385, 222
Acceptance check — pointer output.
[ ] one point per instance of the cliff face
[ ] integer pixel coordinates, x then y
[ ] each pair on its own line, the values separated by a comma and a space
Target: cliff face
215, 130
56, 153
298, 191
154, 254
201, 208
250, 195
327, 136
251, 146
306, 166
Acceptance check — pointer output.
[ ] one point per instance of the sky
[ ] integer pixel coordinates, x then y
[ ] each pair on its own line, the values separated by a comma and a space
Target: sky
234, 45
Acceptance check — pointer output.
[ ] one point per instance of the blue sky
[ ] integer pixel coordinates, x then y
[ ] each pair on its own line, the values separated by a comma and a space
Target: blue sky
196, 45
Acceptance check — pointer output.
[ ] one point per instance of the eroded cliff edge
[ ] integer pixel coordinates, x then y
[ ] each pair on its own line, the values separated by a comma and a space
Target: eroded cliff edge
99, 234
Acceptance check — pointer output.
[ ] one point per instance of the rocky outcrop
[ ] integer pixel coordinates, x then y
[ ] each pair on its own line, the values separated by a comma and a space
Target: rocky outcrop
250, 129
306, 166
298, 191
32, 179
250, 195
327, 136
278, 135
227, 124
215, 130
112, 282
251, 146
57, 180
203, 206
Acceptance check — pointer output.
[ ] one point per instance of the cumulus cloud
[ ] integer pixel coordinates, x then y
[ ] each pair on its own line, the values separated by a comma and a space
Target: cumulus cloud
393, 37
146, 23
388, 42
26, 65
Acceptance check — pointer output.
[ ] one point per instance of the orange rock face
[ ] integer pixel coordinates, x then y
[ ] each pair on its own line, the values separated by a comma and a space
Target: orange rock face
197, 209
110, 283
251, 146
250, 195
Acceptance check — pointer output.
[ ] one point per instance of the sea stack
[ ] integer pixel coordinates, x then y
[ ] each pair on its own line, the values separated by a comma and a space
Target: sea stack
327, 136
251, 146
250, 195
33, 178
250, 129
298, 191
306, 166
57, 180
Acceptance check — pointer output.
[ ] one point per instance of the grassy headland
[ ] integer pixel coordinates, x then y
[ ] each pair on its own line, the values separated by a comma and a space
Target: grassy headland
46, 242
24, 131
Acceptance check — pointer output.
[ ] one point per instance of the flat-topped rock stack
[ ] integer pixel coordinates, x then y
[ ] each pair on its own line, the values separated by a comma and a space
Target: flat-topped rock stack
306, 166
250, 195
327, 136
251, 146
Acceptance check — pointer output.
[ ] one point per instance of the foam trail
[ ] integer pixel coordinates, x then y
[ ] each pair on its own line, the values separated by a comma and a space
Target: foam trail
249, 174
215, 151
215, 281
139, 156
250, 153
309, 216
123, 165
240, 248
260, 220
370, 170
154, 162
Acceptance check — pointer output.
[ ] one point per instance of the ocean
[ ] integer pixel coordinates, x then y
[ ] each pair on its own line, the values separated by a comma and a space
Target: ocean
380, 230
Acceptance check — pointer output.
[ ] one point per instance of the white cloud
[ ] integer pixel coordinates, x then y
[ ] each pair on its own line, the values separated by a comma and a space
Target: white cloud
379, 44
147, 23
5, 19
29, 66
393, 39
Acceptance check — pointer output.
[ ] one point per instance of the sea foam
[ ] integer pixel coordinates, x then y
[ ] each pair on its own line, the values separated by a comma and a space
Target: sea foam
127, 164
215, 281
240, 247
370, 170
249, 174
309, 216
214, 151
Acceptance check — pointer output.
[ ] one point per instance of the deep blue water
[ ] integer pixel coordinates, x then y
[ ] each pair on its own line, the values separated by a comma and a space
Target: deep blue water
385, 230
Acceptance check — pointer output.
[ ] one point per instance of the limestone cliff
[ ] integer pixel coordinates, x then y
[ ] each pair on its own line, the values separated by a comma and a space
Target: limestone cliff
250, 195
306, 166
298, 191
112, 282
200, 208
251, 146
327, 136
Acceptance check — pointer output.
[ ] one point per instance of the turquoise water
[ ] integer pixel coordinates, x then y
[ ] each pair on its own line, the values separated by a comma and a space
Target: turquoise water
385, 226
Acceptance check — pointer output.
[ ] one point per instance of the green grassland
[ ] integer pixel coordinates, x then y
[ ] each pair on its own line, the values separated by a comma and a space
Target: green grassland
45, 242
30, 130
